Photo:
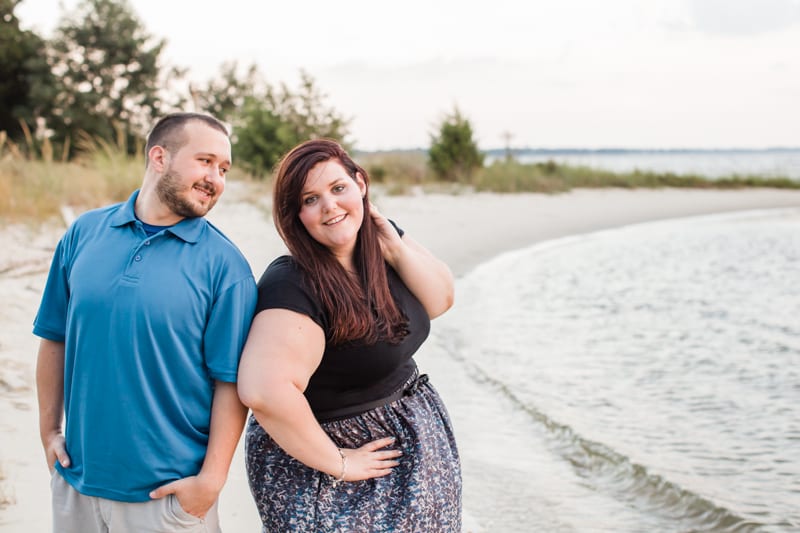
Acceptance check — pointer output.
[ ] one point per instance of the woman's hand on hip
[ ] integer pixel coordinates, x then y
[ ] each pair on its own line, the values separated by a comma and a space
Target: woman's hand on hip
370, 460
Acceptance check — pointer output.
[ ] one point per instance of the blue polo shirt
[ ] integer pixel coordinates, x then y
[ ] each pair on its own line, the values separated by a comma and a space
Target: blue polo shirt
148, 322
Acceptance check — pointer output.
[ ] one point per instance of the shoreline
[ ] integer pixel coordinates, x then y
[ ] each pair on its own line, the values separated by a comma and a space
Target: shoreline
463, 230
488, 224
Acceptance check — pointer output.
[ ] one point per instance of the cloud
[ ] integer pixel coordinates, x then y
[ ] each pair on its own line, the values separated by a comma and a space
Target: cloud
743, 17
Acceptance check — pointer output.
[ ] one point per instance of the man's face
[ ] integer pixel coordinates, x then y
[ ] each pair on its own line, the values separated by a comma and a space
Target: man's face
195, 175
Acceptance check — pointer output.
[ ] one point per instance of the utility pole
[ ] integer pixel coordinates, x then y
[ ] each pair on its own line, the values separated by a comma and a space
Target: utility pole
507, 136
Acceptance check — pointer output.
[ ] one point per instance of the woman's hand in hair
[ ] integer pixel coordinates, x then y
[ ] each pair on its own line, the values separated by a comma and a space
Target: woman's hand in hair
428, 278
389, 239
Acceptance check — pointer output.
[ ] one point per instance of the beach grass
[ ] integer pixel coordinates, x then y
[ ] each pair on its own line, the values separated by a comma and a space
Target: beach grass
37, 185
398, 172
551, 177
401, 172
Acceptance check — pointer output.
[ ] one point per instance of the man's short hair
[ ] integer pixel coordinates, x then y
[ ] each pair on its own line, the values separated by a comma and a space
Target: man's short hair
168, 131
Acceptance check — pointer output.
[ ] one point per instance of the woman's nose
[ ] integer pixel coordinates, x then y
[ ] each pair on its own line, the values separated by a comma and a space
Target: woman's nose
328, 203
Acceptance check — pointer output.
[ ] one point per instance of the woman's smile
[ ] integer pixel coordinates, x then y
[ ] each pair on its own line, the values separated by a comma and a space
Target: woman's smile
335, 220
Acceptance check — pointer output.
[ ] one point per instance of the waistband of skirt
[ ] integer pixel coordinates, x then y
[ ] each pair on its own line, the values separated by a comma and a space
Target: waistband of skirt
410, 387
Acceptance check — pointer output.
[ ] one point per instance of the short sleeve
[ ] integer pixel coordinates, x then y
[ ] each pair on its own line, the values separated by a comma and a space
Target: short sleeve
398, 228
51, 319
282, 286
227, 328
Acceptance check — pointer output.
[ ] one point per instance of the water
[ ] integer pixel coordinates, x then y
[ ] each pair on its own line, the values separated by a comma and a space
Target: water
711, 163
639, 379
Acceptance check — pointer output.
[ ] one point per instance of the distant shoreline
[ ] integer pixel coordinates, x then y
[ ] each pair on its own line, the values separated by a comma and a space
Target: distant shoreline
616, 163
500, 152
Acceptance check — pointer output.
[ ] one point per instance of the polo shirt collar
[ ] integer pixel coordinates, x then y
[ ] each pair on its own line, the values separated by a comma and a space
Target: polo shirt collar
187, 230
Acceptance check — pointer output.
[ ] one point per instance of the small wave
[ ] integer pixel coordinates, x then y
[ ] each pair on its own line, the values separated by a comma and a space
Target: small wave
608, 470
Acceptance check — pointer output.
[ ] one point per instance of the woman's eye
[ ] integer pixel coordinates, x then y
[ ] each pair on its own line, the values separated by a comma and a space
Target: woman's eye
338, 188
310, 200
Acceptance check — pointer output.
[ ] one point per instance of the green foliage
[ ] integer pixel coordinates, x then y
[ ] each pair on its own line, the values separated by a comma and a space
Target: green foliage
107, 71
274, 120
268, 121
305, 111
224, 95
453, 154
261, 138
550, 177
100, 78
25, 77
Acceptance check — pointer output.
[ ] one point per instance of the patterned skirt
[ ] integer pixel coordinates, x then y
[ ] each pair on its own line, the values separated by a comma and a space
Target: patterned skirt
422, 494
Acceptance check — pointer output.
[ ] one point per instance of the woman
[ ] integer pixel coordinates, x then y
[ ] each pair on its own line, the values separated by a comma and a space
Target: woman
345, 434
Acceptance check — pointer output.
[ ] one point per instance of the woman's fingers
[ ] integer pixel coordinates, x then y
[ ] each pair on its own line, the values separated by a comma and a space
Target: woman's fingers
372, 460
377, 444
387, 454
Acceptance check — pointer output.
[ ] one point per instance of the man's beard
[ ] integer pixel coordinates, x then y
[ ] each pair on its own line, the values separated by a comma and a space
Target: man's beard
170, 193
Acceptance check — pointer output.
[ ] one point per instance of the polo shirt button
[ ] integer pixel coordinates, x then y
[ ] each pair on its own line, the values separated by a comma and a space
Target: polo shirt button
137, 258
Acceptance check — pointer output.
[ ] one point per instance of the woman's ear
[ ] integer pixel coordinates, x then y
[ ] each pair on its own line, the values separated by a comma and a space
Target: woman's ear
362, 185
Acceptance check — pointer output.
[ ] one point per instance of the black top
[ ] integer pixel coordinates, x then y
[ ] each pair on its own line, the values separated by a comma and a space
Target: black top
352, 373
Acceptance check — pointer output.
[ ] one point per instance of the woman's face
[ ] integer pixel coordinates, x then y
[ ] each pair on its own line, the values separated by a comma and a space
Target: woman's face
332, 207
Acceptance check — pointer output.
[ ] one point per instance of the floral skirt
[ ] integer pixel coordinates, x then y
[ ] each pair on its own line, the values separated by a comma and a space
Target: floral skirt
422, 494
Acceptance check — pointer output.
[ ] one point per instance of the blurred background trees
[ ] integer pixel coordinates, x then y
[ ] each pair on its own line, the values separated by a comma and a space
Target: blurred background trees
267, 120
107, 72
102, 80
25, 78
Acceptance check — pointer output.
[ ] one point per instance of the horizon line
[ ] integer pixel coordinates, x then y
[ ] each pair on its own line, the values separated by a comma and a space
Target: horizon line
605, 150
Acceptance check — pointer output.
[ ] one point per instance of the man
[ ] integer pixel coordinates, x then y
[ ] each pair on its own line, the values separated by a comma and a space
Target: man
142, 322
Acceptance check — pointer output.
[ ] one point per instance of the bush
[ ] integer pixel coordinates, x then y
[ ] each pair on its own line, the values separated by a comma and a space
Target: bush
454, 155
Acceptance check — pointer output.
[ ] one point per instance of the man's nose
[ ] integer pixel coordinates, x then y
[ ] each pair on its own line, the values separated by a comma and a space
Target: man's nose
215, 174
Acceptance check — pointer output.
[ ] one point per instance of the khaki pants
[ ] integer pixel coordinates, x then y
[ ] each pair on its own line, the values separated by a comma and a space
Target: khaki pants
74, 512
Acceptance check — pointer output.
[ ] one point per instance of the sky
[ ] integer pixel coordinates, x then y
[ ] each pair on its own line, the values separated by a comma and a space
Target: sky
590, 74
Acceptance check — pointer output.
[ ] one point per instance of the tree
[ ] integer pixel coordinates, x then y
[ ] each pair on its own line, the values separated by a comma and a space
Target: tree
267, 121
306, 113
107, 70
454, 155
261, 137
25, 78
225, 95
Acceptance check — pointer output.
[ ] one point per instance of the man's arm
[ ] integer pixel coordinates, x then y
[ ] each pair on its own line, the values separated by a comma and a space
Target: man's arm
197, 494
228, 416
50, 393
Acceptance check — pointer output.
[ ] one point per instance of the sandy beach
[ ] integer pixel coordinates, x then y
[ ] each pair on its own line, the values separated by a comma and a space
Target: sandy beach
464, 230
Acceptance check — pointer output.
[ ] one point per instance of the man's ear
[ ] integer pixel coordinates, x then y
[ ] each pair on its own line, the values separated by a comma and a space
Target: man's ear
158, 156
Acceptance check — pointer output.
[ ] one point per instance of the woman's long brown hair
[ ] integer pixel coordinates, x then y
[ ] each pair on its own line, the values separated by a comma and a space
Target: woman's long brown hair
358, 309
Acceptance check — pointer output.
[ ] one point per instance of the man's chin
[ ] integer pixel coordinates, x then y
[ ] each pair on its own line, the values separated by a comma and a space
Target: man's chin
198, 209
208, 206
